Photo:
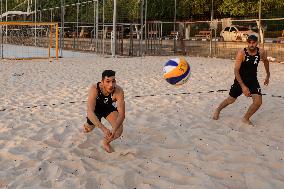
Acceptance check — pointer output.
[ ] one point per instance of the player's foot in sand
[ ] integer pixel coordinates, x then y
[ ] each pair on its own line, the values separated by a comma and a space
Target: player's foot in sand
247, 121
106, 146
216, 115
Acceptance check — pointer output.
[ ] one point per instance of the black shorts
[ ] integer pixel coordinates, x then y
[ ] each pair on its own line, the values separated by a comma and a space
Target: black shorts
102, 112
251, 83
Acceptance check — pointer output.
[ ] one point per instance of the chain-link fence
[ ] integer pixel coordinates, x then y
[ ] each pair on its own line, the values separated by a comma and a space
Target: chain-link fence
142, 29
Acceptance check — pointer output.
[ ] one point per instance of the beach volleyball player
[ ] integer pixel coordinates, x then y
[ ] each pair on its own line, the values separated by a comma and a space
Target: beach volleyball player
246, 78
106, 100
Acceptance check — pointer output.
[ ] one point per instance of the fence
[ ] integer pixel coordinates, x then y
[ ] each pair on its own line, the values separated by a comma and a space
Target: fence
87, 25
197, 39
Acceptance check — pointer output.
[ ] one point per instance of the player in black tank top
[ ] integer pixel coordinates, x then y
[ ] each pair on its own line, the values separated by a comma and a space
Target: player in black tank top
246, 79
106, 100
249, 65
248, 74
104, 104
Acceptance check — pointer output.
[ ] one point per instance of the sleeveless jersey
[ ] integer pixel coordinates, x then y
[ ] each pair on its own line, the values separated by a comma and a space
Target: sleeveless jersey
103, 101
248, 67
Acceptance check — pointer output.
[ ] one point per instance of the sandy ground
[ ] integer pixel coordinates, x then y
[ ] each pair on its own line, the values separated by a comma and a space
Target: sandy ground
169, 139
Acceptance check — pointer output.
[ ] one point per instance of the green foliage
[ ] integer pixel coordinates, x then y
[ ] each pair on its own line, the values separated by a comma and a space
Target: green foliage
249, 7
129, 10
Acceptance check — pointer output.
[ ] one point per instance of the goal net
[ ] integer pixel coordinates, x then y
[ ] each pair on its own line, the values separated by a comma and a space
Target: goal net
28, 40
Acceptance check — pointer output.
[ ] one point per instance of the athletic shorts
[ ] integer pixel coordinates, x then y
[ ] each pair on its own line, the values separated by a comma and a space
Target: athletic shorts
251, 83
102, 112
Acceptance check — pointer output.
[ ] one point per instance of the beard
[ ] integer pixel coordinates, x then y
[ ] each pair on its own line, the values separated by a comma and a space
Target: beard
252, 48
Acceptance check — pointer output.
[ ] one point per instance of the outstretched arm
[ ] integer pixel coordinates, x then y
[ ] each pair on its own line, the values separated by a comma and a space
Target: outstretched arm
238, 63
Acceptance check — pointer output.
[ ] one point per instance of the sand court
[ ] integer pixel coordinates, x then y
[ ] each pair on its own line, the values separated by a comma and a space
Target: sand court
169, 138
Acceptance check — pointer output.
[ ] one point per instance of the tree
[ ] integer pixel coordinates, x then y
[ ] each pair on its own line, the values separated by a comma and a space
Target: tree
248, 7
129, 10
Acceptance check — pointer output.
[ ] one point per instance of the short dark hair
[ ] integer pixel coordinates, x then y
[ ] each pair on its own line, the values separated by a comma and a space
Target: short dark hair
108, 73
252, 38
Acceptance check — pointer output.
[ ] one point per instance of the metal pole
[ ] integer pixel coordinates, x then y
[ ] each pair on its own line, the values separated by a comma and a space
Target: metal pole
146, 32
145, 22
51, 14
1, 30
28, 10
77, 30
212, 12
175, 28
62, 27
35, 19
259, 25
113, 29
97, 26
141, 36
103, 27
1, 10
95, 23
6, 10
6, 19
56, 42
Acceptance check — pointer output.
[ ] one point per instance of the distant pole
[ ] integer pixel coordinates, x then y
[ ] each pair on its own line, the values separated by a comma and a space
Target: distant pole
6, 18
175, 35
35, 19
97, 25
103, 33
6, 10
1, 10
62, 27
211, 33
40, 9
113, 29
146, 7
141, 36
28, 9
77, 23
51, 15
1, 29
259, 25
35, 9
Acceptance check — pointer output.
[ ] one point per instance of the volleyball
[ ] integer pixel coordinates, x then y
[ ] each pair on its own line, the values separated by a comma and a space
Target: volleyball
176, 71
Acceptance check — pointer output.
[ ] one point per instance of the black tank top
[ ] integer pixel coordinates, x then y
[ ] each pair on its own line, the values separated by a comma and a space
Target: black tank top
102, 100
248, 67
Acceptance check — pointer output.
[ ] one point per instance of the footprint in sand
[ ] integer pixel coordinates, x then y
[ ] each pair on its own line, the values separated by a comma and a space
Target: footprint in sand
129, 152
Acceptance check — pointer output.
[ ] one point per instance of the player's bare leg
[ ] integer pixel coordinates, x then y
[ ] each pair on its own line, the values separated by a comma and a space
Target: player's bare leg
257, 101
223, 105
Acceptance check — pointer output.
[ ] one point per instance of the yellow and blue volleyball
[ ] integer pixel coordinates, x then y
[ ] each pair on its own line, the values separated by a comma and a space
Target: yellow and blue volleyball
176, 71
